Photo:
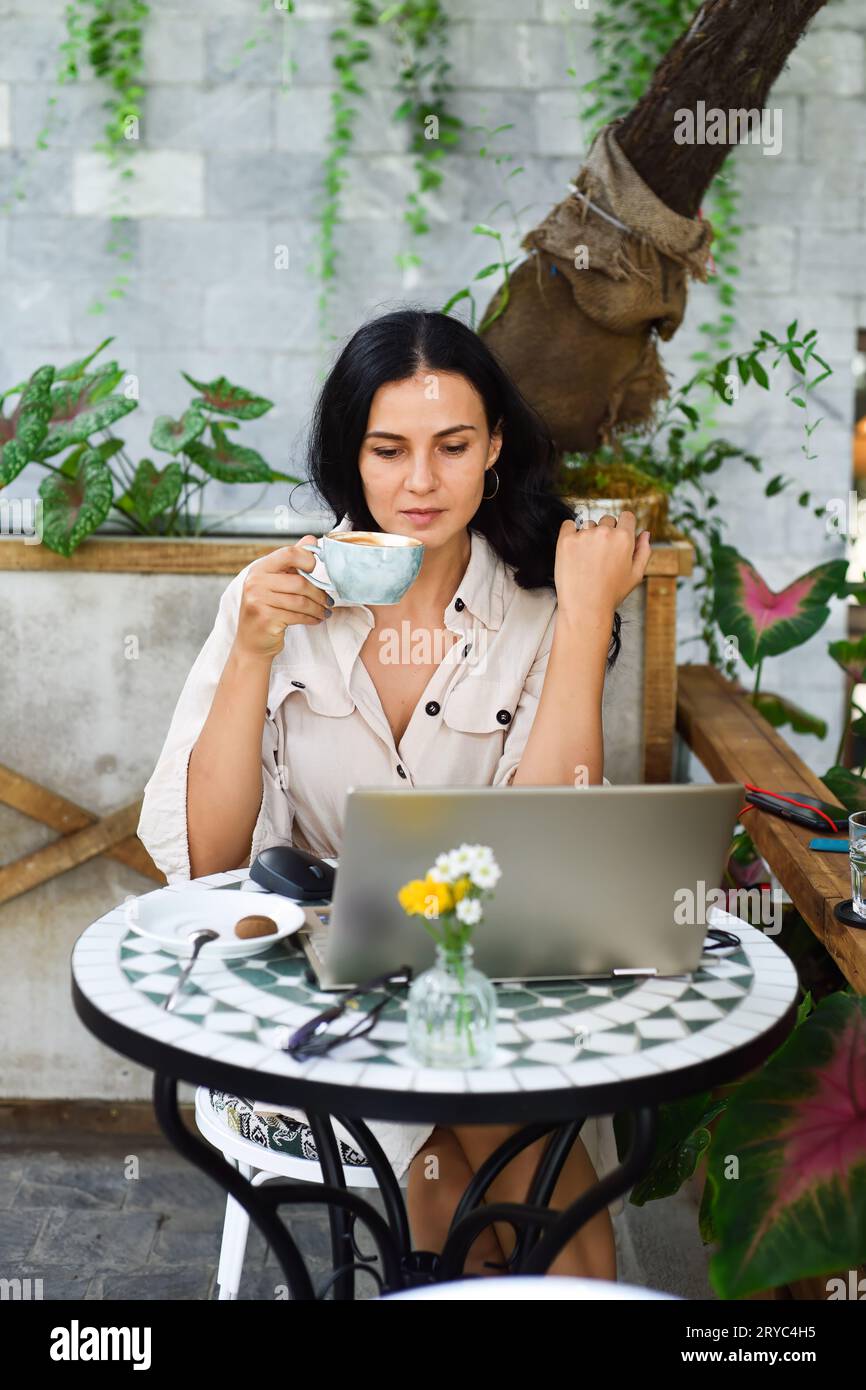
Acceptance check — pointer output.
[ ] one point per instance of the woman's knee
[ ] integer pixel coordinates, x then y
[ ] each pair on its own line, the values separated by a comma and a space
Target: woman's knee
439, 1160
488, 1136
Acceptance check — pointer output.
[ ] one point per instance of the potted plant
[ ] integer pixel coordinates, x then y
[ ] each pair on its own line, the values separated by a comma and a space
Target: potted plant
57, 412
128, 609
782, 1156
603, 483
664, 472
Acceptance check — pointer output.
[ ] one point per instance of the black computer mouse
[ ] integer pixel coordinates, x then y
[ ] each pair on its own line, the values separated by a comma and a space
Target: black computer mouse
294, 873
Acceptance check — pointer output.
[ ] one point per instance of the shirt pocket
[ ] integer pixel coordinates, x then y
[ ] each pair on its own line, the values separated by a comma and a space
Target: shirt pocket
324, 694
478, 705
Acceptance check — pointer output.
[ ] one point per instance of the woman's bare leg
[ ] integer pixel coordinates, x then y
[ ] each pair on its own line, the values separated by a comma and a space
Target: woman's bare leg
438, 1176
592, 1251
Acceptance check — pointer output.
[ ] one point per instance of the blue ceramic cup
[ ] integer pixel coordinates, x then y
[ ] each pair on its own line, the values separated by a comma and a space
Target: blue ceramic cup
367, 566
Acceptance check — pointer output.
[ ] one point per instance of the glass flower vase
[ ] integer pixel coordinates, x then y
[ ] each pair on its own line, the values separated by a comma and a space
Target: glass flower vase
451, 1012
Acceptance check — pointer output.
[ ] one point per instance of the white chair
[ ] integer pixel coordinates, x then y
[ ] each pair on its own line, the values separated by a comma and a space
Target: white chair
257, 1164
523, 1288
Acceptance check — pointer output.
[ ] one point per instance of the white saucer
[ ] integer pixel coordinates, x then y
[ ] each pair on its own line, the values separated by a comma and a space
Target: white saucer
168, 919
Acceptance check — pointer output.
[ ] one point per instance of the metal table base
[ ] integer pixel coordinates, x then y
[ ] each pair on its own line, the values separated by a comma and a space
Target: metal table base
541, 1232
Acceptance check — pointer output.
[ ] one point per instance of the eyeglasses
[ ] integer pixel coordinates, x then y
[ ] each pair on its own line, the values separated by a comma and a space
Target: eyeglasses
312, 1038
721, 939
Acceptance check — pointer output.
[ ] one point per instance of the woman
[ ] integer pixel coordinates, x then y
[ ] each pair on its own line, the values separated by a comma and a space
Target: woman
294, 697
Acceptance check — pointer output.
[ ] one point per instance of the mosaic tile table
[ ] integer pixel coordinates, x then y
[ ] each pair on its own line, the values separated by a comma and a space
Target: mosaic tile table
565, 1050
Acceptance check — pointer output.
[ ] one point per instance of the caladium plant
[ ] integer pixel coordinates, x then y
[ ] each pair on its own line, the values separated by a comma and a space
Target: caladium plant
797, 1128
851, 656
59, 410
785, 1191
765, 622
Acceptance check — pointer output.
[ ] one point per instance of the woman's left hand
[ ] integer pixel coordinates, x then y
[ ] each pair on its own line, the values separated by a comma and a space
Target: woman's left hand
597, 567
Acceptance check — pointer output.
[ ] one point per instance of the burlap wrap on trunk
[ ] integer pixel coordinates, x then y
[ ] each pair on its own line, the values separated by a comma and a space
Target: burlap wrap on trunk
580, 342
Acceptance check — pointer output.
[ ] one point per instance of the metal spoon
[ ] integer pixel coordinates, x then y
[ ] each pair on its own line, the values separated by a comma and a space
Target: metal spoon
199, 937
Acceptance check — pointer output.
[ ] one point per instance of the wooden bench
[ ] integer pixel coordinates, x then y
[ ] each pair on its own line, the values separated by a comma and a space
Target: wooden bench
735, 744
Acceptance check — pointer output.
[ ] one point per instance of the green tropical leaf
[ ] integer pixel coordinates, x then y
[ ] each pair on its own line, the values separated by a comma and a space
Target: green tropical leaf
766, 623
851, 656
228, 461
759, 374
847, 787
105, 449
788, 1160
74, 370
75, 507
172, 436
22, 432
706, 1225
226, 399
83, 405
682, 1138
455, 298
153, 491
779, 711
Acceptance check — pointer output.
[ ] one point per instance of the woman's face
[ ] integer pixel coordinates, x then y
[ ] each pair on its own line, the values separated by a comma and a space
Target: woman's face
423, 457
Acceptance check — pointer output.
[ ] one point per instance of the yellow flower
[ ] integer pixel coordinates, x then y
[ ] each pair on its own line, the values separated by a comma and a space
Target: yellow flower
426, 896
409, 895
438, 898
461, 887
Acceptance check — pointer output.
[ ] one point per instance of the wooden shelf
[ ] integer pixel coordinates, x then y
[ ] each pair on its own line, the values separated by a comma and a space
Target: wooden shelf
736, 744
216, 555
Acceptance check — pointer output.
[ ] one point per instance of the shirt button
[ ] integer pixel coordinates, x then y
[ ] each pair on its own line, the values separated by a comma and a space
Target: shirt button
503, 716
299, 684
432, 707
400, 770
459, 605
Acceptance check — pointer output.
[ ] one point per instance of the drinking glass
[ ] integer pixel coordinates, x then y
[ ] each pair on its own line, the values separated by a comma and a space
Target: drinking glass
857, 854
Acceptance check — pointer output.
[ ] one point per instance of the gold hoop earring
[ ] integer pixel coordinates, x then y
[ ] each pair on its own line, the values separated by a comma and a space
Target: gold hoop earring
485, 496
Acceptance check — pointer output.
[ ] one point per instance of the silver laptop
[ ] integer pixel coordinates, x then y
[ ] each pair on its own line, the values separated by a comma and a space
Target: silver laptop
596, 881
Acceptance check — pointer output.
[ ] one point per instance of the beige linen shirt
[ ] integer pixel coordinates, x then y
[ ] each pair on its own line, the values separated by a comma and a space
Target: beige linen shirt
326, 731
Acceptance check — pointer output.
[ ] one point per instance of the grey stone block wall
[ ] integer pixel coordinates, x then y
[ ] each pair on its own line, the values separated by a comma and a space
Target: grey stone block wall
230, 168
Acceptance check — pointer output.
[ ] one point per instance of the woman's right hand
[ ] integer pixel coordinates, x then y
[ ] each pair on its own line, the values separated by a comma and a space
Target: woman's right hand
275, 596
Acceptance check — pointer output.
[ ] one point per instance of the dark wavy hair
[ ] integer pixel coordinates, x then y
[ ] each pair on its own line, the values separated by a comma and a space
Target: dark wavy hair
522, 521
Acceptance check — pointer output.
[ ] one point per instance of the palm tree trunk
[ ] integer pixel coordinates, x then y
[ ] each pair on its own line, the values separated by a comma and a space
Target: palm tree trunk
729, 58
579, 339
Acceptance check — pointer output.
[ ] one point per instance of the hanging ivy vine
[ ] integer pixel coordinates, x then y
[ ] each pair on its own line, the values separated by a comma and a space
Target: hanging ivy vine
266, 33
104, 37
419, 29
500, 301
421, 32
349, 52
114, 51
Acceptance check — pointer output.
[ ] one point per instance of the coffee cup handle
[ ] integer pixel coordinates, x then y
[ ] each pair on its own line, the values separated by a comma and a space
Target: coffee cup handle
319, 583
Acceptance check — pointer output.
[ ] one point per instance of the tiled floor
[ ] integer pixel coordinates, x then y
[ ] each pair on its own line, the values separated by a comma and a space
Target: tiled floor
119, 1218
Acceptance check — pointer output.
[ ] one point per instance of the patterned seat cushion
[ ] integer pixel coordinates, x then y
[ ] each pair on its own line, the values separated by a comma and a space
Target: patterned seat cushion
273, 1131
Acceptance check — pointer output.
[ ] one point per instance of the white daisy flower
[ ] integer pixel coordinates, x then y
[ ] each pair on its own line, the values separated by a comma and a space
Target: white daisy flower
461, 861
469, 910
441, 868
486, 875
484, 857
